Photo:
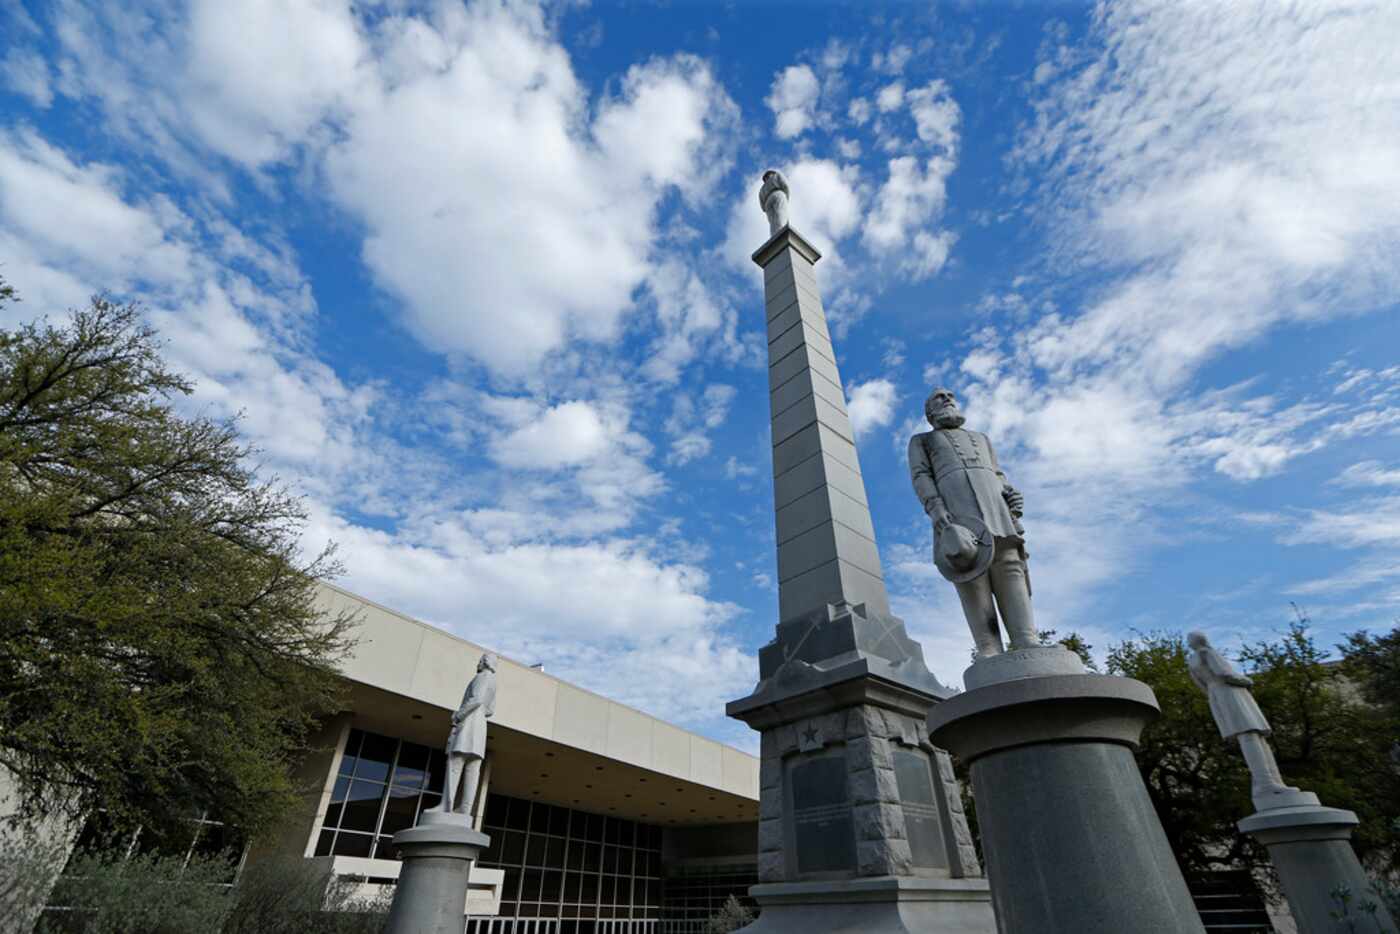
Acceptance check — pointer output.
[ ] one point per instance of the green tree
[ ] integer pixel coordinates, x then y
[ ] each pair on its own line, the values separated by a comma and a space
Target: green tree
160, 649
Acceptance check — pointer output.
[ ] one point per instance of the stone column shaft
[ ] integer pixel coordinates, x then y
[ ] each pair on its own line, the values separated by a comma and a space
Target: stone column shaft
826, 541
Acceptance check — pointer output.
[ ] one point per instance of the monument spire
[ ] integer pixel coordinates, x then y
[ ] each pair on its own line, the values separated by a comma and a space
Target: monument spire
826, 541
860, 817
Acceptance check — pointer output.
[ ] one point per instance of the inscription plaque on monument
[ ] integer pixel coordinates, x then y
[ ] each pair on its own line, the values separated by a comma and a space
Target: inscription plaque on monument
922, 822
821, 815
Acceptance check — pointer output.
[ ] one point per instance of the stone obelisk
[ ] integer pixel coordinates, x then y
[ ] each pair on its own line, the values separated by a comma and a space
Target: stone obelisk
861, 824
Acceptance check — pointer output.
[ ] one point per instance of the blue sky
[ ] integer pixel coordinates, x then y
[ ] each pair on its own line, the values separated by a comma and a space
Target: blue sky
477, 277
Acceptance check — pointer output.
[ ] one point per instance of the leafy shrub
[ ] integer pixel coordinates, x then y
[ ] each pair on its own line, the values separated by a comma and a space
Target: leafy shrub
731, 917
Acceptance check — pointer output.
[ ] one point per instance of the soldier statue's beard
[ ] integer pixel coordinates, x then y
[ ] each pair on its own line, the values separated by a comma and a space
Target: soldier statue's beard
947, 418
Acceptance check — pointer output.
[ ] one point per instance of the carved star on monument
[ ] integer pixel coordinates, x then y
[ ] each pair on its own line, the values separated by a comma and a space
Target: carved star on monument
811, 738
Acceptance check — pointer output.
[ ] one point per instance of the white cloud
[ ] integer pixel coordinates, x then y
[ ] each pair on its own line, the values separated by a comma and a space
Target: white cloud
793, 100
1369, 473
911, 196
564, 435
616, 617
890, 97
893, 61
936, 115
871, 405
27, 74
848, 148
858, 111
690, 422
511, 214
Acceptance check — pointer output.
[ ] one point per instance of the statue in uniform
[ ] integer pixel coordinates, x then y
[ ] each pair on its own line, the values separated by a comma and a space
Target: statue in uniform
466, 745
978, 541
1236, 714
773, 197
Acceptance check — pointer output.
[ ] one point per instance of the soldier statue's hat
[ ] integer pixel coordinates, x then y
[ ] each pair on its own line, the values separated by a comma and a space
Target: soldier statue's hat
964, 550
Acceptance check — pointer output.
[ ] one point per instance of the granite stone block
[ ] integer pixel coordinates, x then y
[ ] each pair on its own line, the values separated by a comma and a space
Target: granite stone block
879, 822
796, 362
772, 867
808, 382
827, 542
883, 857
770, 835
814, 439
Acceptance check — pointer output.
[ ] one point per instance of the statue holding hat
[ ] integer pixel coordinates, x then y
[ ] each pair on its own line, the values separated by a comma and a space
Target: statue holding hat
978, 541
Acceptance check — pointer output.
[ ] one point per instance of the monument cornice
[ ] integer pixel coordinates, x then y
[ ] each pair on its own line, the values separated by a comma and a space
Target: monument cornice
785, 237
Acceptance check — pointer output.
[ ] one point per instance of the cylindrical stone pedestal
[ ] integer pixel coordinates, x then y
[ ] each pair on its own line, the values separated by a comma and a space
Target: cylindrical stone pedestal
1071, 841
1311, 850
431, 896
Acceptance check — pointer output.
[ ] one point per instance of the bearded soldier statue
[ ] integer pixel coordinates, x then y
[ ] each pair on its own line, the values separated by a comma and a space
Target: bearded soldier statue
978, 541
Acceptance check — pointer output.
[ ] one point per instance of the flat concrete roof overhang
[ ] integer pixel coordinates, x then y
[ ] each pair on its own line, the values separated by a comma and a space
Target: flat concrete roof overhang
549, 740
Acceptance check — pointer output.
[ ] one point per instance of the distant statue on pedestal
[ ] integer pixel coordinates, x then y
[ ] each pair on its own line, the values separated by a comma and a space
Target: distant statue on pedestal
978, 541
1236, 714
773, 196
466, 746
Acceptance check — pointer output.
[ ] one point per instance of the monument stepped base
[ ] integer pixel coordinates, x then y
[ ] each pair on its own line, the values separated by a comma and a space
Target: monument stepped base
879, 905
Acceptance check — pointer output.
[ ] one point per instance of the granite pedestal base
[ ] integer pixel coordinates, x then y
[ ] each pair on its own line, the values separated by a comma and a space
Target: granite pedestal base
1310, 846
888, 905
431, 895
1071, 842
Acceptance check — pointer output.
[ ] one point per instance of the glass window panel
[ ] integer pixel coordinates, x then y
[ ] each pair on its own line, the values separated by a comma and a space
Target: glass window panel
510, 885
548, 910
605, 890
323, 843
550, 885
342, 788
626, 833
361, 809
571, 887
429, 801
384, 848
492, 854
558, 821
376, 756
588, 889
575, 854
610, 860
592, 856
578, 825
495, 810
437, 768
512, 847
353, 844
170, 842
535, 850
518, 814
530, 885
554, 852
412, 766
399, 810
352, 751
526, 910
595, 827
622, 895
614, 831
220, 840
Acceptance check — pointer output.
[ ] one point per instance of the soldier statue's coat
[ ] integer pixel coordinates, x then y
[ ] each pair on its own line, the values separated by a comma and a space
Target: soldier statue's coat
960, 467
478, 703
1233, 707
